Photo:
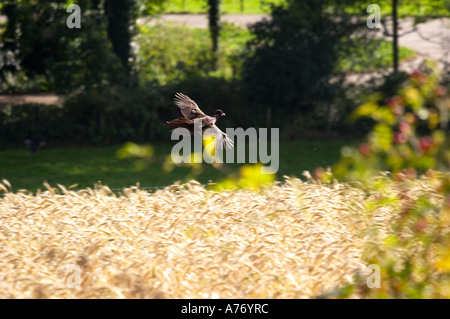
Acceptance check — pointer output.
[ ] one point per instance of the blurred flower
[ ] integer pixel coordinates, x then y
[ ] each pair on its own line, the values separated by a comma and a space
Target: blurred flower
250, 177
397, 139
418, 77
421, 225
423, 113
425, 143
410, 173
395, 103
400, 138
441, 91
318, 172
410, 118
413, 97
364, 149
443, 263
433, 118
404, 128
131, 149
365, 109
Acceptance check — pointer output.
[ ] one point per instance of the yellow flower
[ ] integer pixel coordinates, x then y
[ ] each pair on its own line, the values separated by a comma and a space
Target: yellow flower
443, 264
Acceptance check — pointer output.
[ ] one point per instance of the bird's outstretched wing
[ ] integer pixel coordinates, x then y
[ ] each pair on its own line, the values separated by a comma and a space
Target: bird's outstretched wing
189, 108
221, 139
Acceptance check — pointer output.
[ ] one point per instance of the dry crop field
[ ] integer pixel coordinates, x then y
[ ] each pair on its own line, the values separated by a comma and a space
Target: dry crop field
292, 240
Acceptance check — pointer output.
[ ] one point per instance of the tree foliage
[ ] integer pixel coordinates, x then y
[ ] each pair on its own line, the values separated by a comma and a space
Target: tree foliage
294, 57
214, 22
409, 143
94, 56
410, 131
121, 16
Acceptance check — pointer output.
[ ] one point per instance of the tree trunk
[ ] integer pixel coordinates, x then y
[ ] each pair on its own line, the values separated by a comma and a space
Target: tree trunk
395, 34
214, 26
120, 17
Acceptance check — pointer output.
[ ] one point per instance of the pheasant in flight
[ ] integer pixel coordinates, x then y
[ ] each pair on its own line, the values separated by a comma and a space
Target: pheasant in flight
191, 112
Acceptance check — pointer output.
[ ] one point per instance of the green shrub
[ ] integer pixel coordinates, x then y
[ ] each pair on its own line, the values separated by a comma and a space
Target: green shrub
173, 53
169, 53
19, 82
410, 130
42, 122
292, 69
117, 114
68, 59
408, 240
410, 203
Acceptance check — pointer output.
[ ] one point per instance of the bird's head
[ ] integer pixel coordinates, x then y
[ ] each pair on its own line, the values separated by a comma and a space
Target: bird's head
219, 113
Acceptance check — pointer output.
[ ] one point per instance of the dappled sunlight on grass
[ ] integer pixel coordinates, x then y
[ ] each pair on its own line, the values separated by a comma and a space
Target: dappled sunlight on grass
227, 6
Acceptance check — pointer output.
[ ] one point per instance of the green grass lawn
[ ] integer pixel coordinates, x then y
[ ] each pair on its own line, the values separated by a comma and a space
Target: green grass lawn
416, 8
227, 6
88, 165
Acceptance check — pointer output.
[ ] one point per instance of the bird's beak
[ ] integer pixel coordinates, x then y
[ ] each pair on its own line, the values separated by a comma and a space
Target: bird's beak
223, 114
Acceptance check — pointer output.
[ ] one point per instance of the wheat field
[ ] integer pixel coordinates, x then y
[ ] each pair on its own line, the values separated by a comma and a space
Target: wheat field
295, 239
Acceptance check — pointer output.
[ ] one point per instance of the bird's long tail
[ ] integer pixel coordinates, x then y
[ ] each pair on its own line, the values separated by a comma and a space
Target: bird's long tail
180, 122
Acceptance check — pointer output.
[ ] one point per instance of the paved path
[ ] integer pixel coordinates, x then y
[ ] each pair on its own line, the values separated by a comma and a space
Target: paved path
201, 20
39, 98
430, 40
